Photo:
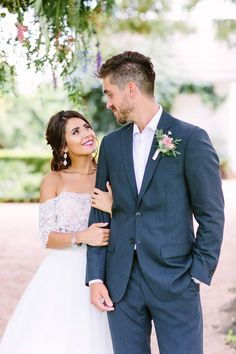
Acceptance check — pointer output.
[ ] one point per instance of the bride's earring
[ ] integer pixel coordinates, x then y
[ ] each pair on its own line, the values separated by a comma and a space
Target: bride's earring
65, 158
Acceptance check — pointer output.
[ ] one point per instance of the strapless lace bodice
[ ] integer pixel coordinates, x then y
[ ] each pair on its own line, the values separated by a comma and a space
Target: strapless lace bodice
68, 212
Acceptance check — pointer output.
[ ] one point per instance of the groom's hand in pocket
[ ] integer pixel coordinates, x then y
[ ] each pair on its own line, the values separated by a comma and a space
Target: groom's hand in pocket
100, 298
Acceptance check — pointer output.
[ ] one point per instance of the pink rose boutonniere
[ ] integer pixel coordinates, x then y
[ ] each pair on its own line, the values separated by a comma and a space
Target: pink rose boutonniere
166, 144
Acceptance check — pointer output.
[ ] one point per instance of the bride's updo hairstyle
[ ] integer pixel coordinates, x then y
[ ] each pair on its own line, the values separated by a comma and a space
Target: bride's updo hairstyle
55, 136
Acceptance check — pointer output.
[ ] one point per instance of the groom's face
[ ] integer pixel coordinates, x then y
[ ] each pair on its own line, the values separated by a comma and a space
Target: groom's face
118, 100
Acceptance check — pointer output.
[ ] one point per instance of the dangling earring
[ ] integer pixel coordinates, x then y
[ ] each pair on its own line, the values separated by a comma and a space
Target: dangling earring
65, 158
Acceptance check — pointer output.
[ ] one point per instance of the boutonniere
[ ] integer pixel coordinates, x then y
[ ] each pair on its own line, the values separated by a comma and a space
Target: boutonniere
166, 144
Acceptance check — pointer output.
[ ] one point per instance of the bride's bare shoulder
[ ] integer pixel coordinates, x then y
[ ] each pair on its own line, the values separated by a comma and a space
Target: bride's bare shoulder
49, 186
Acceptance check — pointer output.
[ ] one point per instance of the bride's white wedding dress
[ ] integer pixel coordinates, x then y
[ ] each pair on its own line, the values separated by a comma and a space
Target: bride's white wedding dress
54, 315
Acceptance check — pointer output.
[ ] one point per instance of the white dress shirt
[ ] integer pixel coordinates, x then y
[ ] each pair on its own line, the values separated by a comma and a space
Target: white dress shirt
142, 142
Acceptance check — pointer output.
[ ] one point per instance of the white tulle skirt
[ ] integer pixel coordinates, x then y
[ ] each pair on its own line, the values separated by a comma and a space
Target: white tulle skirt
54, 315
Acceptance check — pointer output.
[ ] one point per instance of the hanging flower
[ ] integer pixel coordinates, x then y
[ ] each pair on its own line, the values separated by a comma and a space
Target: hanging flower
99, 60
20, 31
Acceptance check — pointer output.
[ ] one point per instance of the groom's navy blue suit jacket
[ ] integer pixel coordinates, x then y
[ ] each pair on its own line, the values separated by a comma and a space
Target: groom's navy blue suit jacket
159, 220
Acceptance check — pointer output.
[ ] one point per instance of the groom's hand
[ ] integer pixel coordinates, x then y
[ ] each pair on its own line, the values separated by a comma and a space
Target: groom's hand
100, 298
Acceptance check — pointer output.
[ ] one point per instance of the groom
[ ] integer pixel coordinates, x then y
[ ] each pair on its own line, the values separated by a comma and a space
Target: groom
163, 172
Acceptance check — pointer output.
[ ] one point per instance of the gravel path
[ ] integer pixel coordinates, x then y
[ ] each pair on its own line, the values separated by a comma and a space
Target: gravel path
20, 255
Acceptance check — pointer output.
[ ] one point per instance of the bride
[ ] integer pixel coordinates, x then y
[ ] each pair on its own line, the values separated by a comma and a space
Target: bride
54, 315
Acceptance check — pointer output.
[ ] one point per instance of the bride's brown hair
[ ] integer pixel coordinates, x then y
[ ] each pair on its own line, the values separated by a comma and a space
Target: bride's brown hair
55, 136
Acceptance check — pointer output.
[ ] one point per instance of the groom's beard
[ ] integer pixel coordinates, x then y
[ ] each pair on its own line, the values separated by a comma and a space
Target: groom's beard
123, 115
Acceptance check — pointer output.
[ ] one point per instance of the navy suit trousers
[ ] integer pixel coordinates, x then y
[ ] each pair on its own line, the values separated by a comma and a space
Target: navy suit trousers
178, 322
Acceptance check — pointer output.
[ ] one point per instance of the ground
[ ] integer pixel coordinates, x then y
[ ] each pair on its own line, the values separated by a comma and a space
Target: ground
21, 254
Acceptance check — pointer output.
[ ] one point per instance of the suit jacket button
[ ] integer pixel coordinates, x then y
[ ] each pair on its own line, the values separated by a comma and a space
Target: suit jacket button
138, 213
131, 241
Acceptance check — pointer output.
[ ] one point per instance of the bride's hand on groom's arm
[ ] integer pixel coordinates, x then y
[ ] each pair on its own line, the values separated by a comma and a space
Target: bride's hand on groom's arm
95, 235
100, 298
102, 200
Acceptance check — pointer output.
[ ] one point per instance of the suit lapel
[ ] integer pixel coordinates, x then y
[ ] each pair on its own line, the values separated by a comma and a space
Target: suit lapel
127, 157
164, 124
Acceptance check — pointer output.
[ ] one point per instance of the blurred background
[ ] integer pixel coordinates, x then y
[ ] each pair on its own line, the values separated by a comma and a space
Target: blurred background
49, 54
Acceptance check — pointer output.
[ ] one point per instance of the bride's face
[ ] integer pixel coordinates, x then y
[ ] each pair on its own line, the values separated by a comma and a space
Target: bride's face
80, 138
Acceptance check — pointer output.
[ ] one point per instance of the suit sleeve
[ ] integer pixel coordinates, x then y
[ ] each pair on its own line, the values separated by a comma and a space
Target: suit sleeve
207, 202
96, 256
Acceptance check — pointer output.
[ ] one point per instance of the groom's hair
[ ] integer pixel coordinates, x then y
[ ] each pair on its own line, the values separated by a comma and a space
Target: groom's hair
129, 66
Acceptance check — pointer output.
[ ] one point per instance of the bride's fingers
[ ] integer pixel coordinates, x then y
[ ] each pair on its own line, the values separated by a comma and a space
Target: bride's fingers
96, 191
106, 231
93, 201
95, 196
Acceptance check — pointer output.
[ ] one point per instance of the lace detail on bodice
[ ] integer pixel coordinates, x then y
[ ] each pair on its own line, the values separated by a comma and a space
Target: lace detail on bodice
68, 212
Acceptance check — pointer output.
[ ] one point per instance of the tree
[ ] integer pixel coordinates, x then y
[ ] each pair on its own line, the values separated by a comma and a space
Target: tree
61, 34
64, 35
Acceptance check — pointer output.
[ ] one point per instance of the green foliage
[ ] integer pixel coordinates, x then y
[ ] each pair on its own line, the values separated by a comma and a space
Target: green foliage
15, 5
24, 118
162, 27
64, 34
166, 92
226, 31
60, 34
147, 16
94, 103
38, 161
7, 76
230, 337
21, 174
190, 4
206, 92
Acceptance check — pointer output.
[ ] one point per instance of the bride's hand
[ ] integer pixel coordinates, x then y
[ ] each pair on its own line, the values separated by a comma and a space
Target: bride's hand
95, 235
102, 200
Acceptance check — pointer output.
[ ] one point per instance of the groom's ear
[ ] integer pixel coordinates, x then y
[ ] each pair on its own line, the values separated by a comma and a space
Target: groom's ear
131, 88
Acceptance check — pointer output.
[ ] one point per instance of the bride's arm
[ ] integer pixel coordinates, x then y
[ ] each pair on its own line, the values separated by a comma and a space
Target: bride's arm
95, 235
102, 200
